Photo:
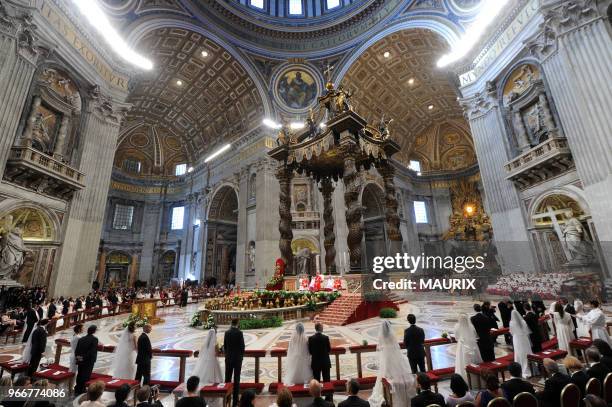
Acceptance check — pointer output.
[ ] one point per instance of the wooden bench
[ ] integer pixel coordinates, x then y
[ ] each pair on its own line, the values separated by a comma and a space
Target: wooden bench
112, 384
57, 376
222, 390
538, 359
497, 367
14, 367
579, 346
12, 332
182, 354
301, 390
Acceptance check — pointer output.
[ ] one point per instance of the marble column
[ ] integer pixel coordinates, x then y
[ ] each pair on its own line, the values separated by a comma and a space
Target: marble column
102, 267
26, 138
242, 232
329, 242
392, 219
19, 55
521, 132
150, 229
58, 149
97, 142
284, 176
352, 184
574, 46
133, 270
267, 218
503, 204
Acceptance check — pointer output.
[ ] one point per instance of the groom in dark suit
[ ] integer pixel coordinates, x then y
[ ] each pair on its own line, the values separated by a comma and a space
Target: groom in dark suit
483, 325
414, 340
319, 347
144, 356
38, 345
86, 353
233, 348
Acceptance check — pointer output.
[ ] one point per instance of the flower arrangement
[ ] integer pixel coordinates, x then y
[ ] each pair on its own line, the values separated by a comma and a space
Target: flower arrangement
137, 320
276, 283
445, 335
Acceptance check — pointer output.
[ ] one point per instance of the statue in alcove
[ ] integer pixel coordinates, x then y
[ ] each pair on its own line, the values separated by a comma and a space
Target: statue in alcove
12, 251
575, 238
302, 261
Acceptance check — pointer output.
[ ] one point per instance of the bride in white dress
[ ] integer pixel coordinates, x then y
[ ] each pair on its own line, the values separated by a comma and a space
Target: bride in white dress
520, 341
124, 356
582, 329
298, 358
76, 335
565, 327
207, 367
467, 351
394, 367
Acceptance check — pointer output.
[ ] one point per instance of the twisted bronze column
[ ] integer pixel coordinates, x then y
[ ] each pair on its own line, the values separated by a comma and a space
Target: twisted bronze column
327, 189
284, 175
352, 186
391, 217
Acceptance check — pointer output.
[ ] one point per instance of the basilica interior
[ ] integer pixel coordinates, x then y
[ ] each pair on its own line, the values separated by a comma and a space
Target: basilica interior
159, 143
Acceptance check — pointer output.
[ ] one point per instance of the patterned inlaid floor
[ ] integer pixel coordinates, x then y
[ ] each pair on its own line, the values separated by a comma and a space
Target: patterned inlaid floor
435, 316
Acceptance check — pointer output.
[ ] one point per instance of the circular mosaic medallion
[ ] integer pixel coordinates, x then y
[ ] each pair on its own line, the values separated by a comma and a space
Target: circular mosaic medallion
296, 88
465, 6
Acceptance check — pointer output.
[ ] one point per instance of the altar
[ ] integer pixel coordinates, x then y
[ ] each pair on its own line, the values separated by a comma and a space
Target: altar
146, 308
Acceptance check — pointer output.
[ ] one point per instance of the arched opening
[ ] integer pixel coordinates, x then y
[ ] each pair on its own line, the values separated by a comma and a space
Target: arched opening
375, 235
562, 231
167, 266
117, 269
33, 236
222, 237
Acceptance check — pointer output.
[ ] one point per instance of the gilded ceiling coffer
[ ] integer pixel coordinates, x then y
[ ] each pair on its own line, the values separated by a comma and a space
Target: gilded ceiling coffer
345, 145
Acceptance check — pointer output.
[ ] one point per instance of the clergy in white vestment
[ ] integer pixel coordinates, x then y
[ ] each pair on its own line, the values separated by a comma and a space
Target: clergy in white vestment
597, 321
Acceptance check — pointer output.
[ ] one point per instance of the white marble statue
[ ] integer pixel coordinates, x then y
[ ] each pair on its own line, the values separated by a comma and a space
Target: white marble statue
574, 235
12, 250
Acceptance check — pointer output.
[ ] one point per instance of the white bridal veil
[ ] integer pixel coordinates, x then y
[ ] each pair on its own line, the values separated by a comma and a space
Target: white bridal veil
124, 356
207, 367
298, 358
393, 366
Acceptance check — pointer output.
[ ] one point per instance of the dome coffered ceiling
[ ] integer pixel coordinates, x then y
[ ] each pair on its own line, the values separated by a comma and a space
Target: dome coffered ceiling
397, 77
198, 91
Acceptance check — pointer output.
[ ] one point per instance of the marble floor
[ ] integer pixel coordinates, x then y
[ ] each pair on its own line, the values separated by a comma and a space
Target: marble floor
435, 316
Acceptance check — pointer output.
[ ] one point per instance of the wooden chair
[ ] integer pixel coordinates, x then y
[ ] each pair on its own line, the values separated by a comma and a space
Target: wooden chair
499, 402
607, 388
525, 399
466, 404
570, 396
593, 386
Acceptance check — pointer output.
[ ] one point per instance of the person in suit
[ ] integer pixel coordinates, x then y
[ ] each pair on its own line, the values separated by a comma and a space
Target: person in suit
569, 308
414, 340
144, 355
550, 396
40, 312
86, 354
314, 387
319, 348
148, 397
605, 351
52, 309
483, 326
532, 320
489, 312
577, 374
31, 319
597, 370
353, 400
38, 345
233, 348
516, 384
505, 308
425, 396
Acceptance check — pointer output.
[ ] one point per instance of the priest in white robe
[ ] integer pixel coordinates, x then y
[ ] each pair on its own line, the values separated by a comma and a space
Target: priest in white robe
596, 320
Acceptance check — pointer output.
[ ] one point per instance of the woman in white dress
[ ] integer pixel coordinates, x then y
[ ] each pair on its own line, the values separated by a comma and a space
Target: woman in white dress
582, 329
565, 327
394, 367
467, 351
124, 356
76, 335
25, 354
520, 341
104, 306
298, 359
207, 368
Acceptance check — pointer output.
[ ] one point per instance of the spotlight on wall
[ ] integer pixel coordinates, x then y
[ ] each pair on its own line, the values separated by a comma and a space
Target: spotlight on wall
271, 124
204, 54
430, 107
179, 83
97, 18
411, 81
296, 125
489, 10
387, 54
322, 125
190, 169
218, 152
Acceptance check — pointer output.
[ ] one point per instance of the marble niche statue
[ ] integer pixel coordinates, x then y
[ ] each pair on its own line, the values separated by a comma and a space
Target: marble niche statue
575, 239
251, 258
302, 261
12, 251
